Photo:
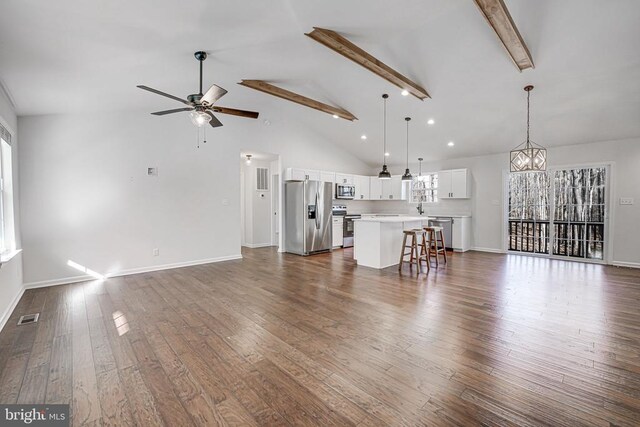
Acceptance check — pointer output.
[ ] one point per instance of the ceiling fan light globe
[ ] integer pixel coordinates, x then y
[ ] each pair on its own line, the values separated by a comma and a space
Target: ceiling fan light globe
199, 118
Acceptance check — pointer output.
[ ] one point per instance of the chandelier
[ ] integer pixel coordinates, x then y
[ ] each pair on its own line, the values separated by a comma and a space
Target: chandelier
528, 156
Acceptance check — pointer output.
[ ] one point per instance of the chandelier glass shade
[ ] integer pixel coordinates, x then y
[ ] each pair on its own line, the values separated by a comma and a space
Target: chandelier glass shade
528, 156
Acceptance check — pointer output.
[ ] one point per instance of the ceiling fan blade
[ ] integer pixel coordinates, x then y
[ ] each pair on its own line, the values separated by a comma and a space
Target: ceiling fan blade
214, 93
177, 110
234, 112
164, 94
214, 120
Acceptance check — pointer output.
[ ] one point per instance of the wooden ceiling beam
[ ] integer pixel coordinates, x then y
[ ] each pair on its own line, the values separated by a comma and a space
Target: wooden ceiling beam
344, 47
499, 18
265, 87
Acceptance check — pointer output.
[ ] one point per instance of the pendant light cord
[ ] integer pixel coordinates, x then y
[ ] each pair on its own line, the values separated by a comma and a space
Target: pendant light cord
384, 134
528, 116
407, 119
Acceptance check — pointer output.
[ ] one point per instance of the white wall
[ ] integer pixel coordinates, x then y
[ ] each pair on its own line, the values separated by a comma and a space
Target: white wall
11, 272
86, 197
486, 204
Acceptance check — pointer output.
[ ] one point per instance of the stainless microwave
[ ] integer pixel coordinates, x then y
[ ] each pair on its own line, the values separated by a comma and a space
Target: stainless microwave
345, 191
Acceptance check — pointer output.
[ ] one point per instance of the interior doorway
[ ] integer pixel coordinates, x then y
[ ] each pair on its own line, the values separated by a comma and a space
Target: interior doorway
259, 199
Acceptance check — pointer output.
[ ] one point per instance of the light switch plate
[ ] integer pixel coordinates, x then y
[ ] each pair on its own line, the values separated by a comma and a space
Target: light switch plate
626, 200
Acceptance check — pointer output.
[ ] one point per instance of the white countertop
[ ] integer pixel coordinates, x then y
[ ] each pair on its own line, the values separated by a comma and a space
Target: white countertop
431, 215
395, 219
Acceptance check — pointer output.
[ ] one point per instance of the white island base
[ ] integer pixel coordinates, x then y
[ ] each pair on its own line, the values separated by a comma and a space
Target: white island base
377, 242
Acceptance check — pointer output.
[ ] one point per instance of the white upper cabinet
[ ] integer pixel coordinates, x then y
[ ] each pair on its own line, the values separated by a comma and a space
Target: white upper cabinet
375, 188
327, 177
362, 187
296, 174
344, 179
394, 187
453, 184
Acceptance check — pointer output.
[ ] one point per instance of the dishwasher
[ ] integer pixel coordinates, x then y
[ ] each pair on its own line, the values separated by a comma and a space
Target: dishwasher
446, 223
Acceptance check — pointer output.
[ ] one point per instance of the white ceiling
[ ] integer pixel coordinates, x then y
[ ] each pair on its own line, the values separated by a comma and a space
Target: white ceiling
69, 56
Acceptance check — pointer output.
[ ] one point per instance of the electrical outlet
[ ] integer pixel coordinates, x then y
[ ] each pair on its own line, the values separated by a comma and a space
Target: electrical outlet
626, 200
156, 252
152, 171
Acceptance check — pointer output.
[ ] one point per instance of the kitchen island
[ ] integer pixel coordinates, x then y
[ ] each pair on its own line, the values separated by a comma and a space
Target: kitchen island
377, 241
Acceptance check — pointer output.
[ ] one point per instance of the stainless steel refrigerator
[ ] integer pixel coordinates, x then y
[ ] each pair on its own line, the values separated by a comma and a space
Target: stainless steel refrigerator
308, 224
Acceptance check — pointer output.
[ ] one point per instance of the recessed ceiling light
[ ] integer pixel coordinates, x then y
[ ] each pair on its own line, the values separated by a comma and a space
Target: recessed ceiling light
430, 121
363, 137
386, 154
451, 144
267, 123
404, 92
335, 116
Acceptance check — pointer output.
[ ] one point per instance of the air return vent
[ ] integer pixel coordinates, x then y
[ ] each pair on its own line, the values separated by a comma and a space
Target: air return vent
262, 179
28, 318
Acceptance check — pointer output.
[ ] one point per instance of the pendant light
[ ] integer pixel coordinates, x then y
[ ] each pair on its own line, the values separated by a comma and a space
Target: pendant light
407, 175
528, 156
384, 173
420, 159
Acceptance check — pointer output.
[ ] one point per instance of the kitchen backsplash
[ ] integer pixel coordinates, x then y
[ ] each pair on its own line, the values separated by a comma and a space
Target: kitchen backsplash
443, 207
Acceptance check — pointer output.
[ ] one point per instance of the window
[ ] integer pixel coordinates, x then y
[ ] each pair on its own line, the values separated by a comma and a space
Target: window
424, 188
7, 233
561, 212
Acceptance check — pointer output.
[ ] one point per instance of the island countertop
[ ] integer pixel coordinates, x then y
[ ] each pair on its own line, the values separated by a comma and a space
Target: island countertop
394, 219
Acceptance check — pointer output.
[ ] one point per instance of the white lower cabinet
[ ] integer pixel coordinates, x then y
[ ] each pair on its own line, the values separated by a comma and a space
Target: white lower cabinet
337, 231
461, 234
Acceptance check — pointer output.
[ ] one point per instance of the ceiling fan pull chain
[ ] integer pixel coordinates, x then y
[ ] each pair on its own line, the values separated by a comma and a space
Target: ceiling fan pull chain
205, 135
198, 138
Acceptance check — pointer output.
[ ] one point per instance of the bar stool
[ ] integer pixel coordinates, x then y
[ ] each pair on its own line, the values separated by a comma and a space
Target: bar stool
435, 237
415, 255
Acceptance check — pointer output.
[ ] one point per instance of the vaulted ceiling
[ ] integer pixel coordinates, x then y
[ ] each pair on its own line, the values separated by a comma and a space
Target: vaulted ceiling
88, 56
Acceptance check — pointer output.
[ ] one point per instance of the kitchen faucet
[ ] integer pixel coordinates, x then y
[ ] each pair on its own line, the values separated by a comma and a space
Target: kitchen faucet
420, 209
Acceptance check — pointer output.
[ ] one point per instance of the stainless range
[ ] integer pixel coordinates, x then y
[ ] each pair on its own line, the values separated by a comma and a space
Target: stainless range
347, 234
347, 224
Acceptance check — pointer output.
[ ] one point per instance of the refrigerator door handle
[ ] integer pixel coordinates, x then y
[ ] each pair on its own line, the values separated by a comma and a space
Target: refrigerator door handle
316, 217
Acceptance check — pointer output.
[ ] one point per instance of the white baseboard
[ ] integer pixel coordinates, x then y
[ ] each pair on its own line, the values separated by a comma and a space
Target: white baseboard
7, 313
492, 250
84, 278
625, 264
257, 245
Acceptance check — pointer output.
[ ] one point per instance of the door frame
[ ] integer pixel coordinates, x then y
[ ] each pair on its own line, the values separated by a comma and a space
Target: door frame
609, 213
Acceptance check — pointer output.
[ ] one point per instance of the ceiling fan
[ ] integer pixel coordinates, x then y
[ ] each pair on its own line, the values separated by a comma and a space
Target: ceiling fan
201, 105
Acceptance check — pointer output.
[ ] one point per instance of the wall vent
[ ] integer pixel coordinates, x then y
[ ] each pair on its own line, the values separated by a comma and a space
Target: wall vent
262, 179
28, 318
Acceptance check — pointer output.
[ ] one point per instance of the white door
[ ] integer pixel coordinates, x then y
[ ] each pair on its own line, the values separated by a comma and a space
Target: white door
275, 207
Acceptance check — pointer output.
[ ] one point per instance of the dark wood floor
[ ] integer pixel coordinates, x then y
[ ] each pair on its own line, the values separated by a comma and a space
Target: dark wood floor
278, 339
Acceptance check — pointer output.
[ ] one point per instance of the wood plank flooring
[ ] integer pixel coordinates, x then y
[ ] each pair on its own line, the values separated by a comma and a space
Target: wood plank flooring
277, 339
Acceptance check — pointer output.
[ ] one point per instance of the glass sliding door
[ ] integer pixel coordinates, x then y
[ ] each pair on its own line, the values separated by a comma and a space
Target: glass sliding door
529, 212
579, 213
578, 200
